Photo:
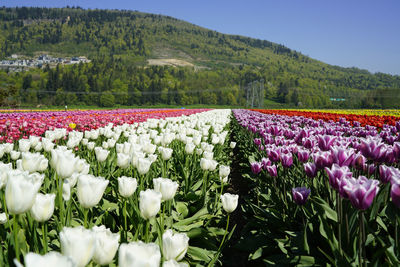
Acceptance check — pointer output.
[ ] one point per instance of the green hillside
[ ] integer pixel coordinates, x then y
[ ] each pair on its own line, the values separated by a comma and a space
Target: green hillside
120, 43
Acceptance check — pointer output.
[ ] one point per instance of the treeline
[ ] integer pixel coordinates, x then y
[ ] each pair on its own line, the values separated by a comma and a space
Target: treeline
120, 42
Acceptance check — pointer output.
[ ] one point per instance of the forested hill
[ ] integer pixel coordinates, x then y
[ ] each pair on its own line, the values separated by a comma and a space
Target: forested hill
121, 44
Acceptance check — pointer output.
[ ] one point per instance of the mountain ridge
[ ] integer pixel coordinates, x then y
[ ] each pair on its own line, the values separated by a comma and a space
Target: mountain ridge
132, 38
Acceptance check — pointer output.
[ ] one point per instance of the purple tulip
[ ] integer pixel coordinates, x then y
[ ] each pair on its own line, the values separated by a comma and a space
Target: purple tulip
272, 170
287, 160
323, 159
325, 142
395, 194
308, 143
300, 195
369, 168
385, 173
265, 162
336, 174
256, 167
274, 155
361, 191
359, 161
343, 157
303, 155
257, 141
310, 169
372, 149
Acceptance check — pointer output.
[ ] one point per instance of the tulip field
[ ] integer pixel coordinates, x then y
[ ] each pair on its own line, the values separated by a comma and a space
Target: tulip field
199, 187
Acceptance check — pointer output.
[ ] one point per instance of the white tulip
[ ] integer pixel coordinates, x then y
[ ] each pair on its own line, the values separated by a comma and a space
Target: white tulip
166, 153
90, 145
8, 147
47, 144
149, 148
101, 154
199, 151
174, 263
85, 141
143, 166
32, 162
152, 158
126, 186
21, 190
24, 145
213, 165
224, 171
66, 190
3, 218
104, 145
166, 187
174, 245
229, 202
48, 260
4, 169
111, 143
123, 160
232, 145
43, 207
205, 164
90, 190
189, 148
106, 245
139, 254
15, 154
149, 203
208, 155
64, 162
81, 166
78, 243
34, 140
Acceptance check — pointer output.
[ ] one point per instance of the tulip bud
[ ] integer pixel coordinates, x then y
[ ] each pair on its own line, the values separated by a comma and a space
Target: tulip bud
21, 190
43, 207
66, 194
174, 245
50, 259
101, 154
90, 190
174, 263
189, 148
24, 145
224, 171
15, 154
139, 254
300, 195
229, 202
123, 160
166, 187
126, 186
143, 166
77, 243
4, 169
149, 203
3, 218
106, 245
90, 145
166, 153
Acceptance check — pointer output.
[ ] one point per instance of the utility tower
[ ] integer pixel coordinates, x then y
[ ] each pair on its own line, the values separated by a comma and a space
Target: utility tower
255, 94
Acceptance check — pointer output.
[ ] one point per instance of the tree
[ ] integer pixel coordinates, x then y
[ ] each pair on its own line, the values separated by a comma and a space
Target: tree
107, 99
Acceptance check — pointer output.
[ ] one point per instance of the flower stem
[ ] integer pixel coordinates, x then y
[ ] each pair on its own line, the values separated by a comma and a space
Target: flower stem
147, 231
396, 240
44, 231
125, 222
226, 232
16, 247
85, 216
339, 214
60, 201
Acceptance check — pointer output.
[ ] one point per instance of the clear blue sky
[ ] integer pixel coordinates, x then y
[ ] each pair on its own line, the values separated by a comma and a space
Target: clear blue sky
360, 33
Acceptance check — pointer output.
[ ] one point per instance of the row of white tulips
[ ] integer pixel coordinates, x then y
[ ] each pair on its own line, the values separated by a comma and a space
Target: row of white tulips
42, 175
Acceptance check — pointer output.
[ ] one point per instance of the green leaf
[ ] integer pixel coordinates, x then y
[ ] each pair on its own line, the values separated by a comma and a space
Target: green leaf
182, 209
257, 254
200, 254
325, 208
